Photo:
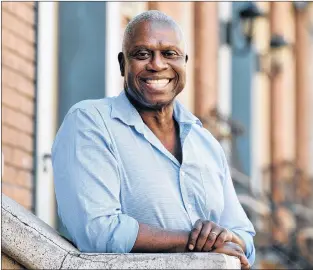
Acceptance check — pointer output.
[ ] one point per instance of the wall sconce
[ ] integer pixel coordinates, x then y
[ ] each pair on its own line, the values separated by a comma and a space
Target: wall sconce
239, 32
301, 5
270, 62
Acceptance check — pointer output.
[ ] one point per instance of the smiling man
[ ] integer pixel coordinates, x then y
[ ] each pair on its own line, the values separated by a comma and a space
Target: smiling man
138, 172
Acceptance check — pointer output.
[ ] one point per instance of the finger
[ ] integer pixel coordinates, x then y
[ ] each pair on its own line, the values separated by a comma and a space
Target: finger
194, 234
233, 249
244, 261
203, 236
223, 237
241, 255
246, 266
214, 234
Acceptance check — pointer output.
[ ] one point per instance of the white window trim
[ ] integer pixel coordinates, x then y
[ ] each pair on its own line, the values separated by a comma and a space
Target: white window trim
46, 116
113, 79
225, 72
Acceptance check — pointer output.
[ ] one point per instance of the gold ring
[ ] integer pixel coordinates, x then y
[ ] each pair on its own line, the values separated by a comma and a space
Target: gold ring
213, 233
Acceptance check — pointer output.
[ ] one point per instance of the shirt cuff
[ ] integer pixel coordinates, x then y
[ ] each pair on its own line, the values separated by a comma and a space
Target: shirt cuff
124, 235
250, 249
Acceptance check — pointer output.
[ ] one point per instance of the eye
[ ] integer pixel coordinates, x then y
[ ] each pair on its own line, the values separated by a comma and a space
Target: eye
170, 54
142, 55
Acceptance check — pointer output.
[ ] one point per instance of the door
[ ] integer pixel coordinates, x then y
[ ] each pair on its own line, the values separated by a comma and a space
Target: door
71, 67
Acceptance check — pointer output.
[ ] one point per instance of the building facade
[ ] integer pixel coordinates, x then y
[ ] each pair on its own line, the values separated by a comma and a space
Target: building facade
254, 97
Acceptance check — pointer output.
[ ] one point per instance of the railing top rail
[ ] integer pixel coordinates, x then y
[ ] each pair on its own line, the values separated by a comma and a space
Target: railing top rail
35, 245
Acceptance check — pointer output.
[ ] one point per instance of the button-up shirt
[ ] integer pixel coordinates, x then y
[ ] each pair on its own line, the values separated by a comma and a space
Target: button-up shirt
111, 173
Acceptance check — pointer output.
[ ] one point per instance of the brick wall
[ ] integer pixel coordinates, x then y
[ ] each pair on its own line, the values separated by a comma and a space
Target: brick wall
18, 95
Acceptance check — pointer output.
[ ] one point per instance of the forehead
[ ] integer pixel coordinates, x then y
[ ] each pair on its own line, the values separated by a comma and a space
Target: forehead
155, 35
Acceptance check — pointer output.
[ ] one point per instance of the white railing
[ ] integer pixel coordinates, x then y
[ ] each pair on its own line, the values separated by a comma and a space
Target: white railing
35, 245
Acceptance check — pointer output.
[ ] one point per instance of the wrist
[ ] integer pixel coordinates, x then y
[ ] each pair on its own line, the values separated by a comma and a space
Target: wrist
182, 242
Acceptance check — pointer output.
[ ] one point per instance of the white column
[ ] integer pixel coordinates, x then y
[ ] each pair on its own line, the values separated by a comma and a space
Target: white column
2, 168
225, 71
310, 68
260, 95
259, 130
46, 116
113, 79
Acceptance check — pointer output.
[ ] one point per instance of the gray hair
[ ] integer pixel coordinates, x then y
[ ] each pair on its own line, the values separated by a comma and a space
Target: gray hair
148, 16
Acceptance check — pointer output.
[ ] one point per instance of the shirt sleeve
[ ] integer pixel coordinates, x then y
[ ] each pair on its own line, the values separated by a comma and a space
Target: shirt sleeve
234, 217
87, 185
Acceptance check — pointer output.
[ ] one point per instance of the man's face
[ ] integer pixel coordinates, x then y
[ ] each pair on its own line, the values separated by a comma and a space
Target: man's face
154, 64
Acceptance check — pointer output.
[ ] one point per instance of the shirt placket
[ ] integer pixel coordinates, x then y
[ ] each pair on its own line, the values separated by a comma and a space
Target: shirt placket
183, 176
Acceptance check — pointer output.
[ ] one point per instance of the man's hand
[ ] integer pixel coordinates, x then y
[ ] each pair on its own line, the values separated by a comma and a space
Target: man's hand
206, 234
233, 249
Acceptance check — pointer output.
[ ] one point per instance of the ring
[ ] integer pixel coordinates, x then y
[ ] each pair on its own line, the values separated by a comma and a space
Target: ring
213, 233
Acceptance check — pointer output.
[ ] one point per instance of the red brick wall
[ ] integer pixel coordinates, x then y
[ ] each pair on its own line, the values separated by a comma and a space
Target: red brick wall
18, 95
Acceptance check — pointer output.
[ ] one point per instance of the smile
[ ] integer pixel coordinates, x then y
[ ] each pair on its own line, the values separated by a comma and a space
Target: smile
156, 83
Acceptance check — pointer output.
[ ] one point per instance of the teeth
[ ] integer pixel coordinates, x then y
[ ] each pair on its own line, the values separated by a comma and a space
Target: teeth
158, 82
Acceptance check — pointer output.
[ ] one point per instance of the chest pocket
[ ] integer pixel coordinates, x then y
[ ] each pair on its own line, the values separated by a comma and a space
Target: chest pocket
205, 191
213, 189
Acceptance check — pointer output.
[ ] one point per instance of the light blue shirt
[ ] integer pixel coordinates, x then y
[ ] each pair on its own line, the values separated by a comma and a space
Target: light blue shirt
111, 172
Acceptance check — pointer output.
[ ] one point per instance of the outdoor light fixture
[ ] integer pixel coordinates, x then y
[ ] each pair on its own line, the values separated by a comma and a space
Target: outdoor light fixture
278, 42
300, 5
239, 32
270, 62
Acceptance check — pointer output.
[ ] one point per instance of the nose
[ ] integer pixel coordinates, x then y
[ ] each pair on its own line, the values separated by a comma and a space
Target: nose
157, 63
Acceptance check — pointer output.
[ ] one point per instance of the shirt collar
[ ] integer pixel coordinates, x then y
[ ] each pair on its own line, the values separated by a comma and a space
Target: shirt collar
123, 110
182, 115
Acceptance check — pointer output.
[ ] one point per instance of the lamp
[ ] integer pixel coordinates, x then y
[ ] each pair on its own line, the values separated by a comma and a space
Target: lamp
277, 43
300, 5
244, 23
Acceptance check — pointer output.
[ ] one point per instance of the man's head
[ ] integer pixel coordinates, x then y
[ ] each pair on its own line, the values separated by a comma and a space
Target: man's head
153, 60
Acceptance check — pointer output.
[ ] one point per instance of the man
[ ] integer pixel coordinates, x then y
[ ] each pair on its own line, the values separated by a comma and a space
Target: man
138, 172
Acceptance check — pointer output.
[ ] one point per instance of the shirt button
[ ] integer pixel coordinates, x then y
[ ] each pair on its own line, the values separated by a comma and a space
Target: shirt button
182, 173
189, 206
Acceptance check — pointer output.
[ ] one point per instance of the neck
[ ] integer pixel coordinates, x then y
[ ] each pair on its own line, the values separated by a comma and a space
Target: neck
156, 119
161, 119
161, 122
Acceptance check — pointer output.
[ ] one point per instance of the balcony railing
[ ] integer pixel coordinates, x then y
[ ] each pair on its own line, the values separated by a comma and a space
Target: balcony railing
29, 242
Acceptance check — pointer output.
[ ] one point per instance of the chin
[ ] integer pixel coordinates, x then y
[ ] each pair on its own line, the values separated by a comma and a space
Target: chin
159, 103
152, 101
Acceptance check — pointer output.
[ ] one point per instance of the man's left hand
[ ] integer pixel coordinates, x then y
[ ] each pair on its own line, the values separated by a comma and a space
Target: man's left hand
206, 234
233, 249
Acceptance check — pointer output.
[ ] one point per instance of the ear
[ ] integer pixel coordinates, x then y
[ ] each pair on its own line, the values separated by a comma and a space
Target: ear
186, 60
121, 61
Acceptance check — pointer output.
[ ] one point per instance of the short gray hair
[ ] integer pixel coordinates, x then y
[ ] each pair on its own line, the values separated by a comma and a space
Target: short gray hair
150, 15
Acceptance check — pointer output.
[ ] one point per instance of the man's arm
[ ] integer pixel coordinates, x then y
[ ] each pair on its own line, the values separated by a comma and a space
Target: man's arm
152, 239
87, 186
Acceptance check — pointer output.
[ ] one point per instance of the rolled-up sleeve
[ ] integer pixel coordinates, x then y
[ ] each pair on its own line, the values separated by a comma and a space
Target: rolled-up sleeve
87, 185
234, 217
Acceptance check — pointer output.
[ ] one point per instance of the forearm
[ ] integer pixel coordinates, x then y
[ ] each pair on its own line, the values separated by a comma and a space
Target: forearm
152, 239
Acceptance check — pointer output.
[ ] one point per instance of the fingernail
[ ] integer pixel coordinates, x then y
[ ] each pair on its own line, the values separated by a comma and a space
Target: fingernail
191, 247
